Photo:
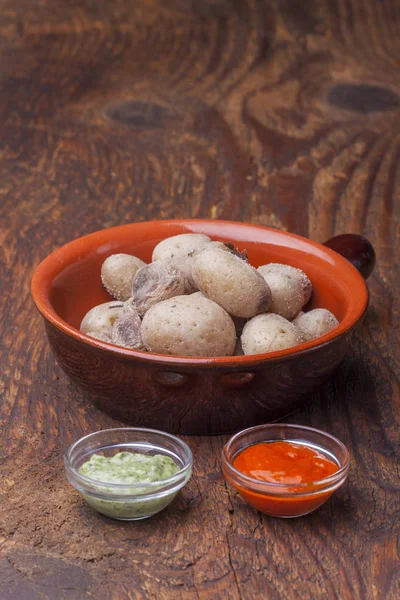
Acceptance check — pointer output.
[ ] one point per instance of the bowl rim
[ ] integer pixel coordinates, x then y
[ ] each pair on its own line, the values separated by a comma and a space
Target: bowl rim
42, 276
278, 488
113, 488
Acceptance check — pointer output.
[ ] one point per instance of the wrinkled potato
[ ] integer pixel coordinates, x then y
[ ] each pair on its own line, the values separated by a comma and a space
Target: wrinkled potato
126, 329
316, 322
292, 273
180, 320
179, 250
98, 335
230, 282
100, 319
185, 264
287, 294
268, 333
189, 326
230, 247
117, 273
180, 246
158, 281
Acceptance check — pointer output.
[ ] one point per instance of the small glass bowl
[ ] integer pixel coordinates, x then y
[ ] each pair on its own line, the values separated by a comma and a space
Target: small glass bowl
283, 499
128, 502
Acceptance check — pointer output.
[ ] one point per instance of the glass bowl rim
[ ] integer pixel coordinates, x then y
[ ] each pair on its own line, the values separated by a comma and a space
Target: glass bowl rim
115, 487
272, 488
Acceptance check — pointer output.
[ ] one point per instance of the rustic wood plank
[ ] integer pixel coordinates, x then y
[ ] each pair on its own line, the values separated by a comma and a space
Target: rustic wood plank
274, 113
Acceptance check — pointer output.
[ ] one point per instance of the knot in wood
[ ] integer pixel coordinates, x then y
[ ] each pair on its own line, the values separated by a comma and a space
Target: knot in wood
363, 98
139, 114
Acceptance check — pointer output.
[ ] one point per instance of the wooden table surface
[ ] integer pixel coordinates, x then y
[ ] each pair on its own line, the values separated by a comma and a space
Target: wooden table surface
280, 113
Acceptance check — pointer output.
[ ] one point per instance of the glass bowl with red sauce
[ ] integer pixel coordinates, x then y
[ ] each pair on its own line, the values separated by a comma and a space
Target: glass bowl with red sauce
285, 470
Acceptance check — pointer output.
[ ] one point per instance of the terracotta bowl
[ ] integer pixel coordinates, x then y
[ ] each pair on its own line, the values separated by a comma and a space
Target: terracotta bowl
198, 395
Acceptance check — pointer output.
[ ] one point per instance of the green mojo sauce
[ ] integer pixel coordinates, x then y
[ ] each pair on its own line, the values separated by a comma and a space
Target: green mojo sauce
129, 468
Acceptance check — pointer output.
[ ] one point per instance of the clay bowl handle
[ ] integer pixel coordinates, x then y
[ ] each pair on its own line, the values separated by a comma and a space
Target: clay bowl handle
357, 249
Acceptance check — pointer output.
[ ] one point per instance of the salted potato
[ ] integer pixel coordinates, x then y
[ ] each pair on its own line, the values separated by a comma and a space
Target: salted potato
185, 264
126, 330
230, 282
179, 250
230, 247
98, 335
287, 296
268, 333
189, 326
292, 273
100, 319
117, 273
180, 246
153, 283
316, 322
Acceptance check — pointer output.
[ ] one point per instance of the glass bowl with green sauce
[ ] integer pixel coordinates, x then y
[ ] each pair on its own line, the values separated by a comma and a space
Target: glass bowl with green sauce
128, 473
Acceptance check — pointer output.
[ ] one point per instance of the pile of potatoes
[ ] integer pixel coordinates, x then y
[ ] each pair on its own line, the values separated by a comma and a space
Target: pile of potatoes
200, 297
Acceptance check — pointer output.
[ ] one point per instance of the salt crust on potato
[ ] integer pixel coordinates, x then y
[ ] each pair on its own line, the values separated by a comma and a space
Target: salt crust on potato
179, 251
180, 246
230, 282
230, 247
186, 264
202, 326
153, 283
100, 318
117, 273
98, 335
292, 273
268, 333
126, 330
287, 294
316, 322
189, 326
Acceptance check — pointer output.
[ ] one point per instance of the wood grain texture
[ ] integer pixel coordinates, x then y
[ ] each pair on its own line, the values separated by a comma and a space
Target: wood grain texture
279, 113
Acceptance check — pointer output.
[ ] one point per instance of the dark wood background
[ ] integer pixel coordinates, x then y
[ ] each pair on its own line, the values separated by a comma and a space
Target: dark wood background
282, 113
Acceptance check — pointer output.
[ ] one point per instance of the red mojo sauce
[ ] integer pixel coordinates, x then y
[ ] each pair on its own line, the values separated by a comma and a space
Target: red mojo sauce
284, 462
